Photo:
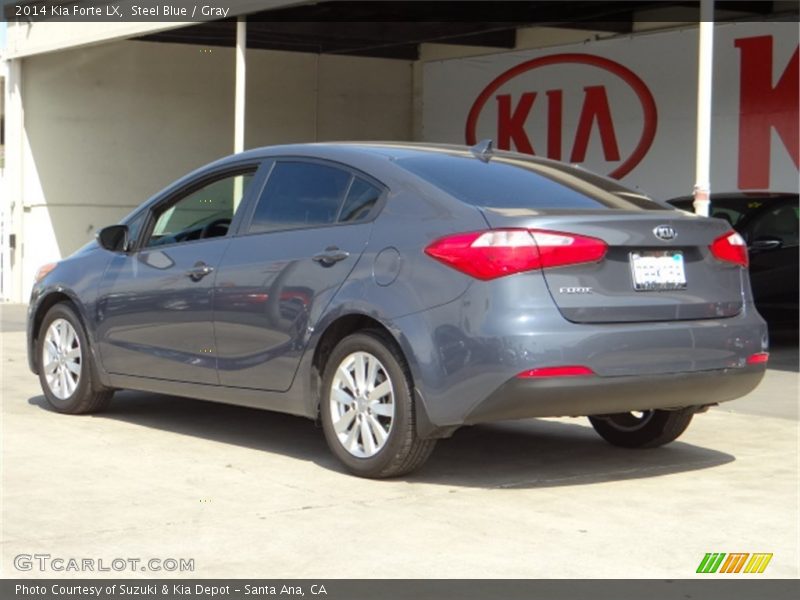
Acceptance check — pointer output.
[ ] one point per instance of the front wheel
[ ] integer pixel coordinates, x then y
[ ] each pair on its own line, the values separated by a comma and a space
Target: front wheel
367, 408
645, 429
65, 364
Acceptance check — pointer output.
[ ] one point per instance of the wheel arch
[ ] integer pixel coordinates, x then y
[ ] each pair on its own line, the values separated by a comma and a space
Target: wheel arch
45, 303
48, 300
336, 331
350, 323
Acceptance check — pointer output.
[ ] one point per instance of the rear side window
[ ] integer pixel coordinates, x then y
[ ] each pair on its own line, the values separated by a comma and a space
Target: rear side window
517, 183
306, 194
360, 201
300, 194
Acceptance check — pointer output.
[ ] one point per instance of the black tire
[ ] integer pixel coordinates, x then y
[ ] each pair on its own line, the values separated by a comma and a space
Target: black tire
651, 429
88, 395
403, 451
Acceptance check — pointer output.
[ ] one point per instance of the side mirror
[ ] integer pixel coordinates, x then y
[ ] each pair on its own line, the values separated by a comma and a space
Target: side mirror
113, 238
763, 244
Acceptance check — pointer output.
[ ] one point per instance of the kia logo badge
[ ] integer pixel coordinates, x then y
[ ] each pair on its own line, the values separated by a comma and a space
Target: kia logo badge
665, 232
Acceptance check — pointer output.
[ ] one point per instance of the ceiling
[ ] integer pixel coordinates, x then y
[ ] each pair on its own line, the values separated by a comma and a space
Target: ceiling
390, 29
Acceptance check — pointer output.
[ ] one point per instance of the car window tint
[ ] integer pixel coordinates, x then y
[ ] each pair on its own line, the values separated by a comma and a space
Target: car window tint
778, 223
516, 183
300, 194
204, 213
733, 210
360, 200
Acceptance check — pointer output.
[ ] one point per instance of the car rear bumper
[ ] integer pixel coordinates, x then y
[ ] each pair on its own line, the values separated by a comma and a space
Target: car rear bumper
465, 357
521, 398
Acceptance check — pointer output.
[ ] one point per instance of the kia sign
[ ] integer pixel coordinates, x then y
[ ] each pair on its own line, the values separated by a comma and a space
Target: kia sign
595, 109
626, 107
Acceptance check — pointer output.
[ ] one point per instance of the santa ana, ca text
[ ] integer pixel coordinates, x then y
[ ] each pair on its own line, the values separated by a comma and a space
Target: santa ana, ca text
171, 590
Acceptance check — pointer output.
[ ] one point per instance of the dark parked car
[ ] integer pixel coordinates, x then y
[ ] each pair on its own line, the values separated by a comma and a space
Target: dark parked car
397, 292
769, 224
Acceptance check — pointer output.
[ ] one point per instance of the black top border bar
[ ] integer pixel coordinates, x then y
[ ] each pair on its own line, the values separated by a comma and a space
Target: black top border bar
522, 12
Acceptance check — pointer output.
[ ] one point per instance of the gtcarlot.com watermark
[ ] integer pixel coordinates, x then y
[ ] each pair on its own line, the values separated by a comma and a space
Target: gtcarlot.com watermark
59, 564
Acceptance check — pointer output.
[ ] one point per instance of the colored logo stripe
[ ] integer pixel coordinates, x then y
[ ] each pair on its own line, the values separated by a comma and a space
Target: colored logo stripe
710, 562
734, 562
758, 563
713, 562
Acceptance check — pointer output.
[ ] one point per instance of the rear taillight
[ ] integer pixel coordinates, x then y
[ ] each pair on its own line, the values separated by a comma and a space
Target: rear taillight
498, 252
730, 247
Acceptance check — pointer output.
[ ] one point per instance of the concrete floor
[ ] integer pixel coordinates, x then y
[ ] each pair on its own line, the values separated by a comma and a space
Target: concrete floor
247, 493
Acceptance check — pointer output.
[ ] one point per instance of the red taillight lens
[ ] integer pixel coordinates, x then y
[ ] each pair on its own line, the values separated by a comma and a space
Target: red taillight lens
730, 247
759, 358
498, 252
558, 249
487, 255
565, 371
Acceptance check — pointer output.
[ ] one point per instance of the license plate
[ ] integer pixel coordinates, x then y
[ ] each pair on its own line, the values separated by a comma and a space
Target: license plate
658, 270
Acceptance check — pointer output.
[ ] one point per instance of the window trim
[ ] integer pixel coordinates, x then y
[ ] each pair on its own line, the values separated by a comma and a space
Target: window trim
172, 197
247, 219
144, 214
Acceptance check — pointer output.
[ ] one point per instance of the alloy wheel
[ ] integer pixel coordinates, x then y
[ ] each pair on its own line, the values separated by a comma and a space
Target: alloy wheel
62, 359
362, 404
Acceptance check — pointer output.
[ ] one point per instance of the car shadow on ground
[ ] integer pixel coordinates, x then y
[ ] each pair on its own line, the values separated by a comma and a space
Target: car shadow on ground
534, 453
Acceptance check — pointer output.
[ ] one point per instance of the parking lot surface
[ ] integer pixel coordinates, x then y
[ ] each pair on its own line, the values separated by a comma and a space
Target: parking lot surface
248, 493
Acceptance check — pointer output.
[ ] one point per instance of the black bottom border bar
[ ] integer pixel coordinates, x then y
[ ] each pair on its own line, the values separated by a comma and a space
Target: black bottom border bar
715, 587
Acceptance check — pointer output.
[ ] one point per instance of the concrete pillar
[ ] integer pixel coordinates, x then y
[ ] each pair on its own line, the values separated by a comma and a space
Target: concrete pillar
702, 187
12, 210
241, 77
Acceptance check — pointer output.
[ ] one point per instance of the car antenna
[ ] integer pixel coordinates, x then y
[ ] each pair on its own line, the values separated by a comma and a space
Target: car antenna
483, 150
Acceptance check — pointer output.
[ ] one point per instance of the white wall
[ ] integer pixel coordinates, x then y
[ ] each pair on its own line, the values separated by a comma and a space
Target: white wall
109, 125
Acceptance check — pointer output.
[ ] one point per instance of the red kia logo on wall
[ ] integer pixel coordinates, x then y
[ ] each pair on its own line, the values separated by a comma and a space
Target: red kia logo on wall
595, 114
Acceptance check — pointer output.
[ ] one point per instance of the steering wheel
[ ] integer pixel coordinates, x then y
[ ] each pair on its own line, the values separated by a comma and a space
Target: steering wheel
216, 228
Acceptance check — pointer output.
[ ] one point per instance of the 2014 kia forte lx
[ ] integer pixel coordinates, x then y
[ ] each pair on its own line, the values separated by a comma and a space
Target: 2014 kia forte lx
397, 292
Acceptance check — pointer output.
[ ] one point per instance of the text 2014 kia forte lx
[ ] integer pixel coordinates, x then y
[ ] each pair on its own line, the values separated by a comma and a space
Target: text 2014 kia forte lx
397, 292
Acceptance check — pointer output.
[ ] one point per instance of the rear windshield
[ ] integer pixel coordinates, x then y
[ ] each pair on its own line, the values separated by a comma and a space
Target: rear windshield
515, 183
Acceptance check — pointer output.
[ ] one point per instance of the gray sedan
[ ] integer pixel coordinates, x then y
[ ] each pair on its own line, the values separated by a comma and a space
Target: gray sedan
396, 292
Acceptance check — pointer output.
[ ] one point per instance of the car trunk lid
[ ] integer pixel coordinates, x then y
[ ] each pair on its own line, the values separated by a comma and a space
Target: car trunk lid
658, 266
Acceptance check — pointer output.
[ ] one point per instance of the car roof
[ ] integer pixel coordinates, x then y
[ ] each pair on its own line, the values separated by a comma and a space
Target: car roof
324, 149
371, 150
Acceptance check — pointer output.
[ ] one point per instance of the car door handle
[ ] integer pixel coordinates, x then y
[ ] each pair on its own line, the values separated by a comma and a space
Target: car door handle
330, 256
199, 270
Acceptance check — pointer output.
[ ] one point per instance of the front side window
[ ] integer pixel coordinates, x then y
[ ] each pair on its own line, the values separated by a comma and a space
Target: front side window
203, 213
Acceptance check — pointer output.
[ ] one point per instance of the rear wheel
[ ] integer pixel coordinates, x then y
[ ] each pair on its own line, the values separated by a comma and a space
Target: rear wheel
645, 429
65, 368
367, 408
